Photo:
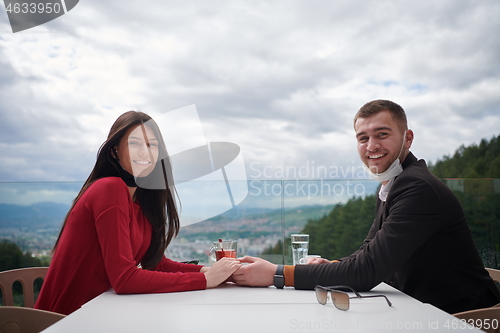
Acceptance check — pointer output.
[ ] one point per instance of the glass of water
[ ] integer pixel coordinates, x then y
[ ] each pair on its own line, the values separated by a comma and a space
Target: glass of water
300, 247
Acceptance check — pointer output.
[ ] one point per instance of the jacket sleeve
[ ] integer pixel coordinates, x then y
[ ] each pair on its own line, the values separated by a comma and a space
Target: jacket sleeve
414, 216
112, 221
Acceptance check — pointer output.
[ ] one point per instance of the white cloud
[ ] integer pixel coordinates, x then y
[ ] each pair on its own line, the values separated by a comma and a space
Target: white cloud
282, 80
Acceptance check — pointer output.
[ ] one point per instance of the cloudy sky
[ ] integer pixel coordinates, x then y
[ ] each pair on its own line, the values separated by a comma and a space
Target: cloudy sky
282, 79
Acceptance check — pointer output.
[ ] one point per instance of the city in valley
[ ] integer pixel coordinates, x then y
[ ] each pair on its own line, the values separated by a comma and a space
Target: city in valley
35, 228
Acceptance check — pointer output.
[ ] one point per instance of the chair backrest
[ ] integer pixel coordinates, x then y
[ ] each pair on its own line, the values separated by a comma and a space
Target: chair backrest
24, 275
488, 319
494, 273
26, 320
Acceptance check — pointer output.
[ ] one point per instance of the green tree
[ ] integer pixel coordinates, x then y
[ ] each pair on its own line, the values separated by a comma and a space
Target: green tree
475, 161
278, 248
11, 257
343, 230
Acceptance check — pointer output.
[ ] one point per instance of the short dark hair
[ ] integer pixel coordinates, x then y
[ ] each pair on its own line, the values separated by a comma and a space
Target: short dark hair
379, 105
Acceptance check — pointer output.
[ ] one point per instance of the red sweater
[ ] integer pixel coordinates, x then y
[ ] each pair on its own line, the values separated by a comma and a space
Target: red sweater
105, 238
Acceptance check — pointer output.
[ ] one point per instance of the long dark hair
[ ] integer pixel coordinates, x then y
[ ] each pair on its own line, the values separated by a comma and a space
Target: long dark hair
158, 205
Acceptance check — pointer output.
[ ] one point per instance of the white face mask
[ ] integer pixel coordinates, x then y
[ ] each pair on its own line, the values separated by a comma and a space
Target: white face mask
392, 171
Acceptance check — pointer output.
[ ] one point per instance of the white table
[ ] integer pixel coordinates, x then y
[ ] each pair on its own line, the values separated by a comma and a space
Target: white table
230, 308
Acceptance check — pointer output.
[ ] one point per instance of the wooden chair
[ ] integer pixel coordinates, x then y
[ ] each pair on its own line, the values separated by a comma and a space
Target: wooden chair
15, 319
26, 276
487, 315
488, 319
494, 273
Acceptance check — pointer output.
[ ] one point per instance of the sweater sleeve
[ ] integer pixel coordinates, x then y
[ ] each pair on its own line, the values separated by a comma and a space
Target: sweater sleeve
167, 265
112, 222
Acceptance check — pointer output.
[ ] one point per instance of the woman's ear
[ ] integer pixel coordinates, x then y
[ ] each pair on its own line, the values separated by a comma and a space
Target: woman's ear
114, 153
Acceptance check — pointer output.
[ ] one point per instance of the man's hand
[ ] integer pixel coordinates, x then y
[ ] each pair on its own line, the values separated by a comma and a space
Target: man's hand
315, 260
257, 273
220, 271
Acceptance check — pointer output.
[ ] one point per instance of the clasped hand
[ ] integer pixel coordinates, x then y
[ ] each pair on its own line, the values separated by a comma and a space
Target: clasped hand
257, 272
260, 273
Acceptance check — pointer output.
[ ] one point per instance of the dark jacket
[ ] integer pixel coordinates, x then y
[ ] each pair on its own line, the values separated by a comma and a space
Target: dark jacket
420, 243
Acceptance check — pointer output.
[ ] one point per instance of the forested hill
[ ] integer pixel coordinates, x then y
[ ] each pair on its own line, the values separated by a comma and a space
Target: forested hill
475, 161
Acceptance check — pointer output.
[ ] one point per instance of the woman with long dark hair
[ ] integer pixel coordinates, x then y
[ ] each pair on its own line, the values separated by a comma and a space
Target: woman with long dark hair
120, 224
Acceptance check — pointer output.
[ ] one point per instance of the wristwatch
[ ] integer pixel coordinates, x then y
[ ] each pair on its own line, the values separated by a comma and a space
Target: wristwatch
279, 279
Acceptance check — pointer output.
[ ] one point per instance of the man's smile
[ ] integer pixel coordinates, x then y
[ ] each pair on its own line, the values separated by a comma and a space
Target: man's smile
372, 157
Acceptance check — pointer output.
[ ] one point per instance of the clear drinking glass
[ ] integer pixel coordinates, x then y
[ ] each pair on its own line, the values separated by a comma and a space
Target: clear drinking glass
300, 247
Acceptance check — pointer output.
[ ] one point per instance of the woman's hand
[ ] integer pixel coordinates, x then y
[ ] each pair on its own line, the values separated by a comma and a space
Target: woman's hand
258, 272
220, 271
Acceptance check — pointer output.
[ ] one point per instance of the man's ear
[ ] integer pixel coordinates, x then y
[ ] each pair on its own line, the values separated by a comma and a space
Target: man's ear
409, 136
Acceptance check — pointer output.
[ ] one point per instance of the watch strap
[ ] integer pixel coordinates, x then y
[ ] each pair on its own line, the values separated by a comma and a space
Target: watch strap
279, 279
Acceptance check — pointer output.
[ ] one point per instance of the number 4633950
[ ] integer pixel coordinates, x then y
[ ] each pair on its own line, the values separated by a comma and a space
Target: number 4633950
478, 323
33, 8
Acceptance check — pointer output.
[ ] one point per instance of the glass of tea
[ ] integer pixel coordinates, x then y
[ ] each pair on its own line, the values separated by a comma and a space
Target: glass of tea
223, 248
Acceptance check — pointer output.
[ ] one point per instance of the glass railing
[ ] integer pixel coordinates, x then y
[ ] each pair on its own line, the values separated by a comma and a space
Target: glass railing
336, 213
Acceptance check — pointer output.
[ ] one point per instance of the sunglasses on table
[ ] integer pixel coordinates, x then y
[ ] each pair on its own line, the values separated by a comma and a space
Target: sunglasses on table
340, 298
